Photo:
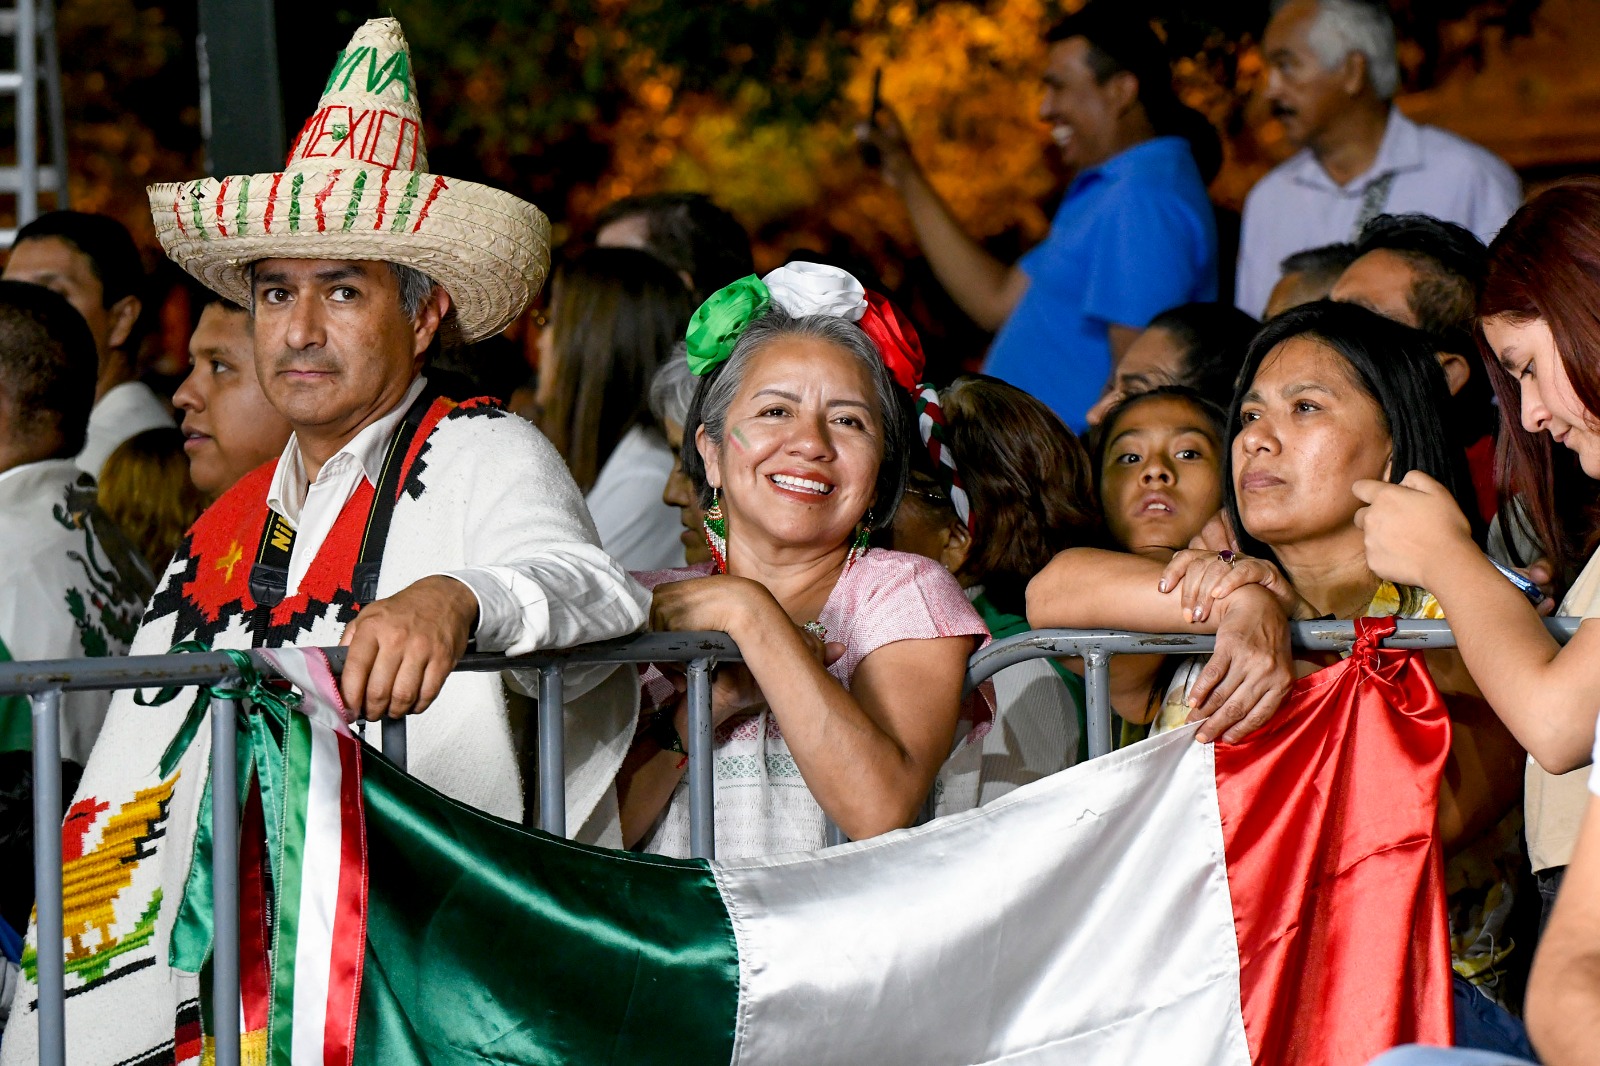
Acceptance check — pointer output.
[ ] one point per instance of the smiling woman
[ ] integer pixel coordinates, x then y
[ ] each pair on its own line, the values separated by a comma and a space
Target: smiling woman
849, 696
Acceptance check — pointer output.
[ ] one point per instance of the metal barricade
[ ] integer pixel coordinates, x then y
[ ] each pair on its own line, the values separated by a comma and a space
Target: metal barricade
1096, 647
44, 682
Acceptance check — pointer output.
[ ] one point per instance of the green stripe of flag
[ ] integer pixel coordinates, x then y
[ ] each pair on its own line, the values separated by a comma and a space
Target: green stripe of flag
489, 941
297, 744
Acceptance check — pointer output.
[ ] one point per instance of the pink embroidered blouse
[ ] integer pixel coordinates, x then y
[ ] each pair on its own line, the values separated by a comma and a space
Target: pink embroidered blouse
763, 805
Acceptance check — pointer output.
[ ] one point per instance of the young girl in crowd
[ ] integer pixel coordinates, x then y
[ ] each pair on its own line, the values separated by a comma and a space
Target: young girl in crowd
1332, 394
1158, 460
962, 509
847, 700
615, 314
1536, 312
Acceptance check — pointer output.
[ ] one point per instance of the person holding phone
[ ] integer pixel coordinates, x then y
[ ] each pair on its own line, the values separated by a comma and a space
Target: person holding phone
1534, 318
1134, 236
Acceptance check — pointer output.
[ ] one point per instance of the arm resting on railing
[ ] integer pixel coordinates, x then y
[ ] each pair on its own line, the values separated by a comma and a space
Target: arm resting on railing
1251, 671
868, 754
1547, 695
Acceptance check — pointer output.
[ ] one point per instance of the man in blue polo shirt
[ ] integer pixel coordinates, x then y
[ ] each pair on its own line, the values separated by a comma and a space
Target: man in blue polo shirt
1134, 236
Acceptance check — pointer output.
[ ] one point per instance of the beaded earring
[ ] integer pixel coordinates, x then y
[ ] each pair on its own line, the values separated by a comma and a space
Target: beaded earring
858, 544
716, 529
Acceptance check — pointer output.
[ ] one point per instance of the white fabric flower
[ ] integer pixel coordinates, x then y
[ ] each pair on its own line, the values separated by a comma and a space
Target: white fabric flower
801, 289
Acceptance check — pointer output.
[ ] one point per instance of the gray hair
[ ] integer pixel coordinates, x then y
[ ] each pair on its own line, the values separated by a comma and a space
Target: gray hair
672, 388
1365, 26
716, 393
415, 287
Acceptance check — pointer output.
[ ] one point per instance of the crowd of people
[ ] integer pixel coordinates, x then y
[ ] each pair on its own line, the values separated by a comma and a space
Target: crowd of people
1367, 429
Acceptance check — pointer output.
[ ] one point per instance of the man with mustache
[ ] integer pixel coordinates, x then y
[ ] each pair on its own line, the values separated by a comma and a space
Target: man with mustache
1134, 236
396, 521
1332, 74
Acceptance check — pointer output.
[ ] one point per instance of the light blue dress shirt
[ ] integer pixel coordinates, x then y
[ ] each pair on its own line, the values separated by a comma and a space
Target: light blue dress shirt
1298, 206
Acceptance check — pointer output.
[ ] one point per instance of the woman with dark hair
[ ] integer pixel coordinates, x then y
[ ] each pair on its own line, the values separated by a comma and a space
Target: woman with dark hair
614, 316
1198, 345
1332, 394
1002, 487
1541, 340
847, 700
1329, 394
671, 394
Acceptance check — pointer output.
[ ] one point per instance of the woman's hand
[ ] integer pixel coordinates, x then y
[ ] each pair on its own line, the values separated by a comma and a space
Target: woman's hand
733, 688
729, 605
1251, 671
1204, 577
1411, 528
721, 602
1542, 572
1216, 535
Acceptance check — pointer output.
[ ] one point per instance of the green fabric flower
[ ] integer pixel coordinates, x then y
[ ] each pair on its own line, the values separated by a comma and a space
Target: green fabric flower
717, 326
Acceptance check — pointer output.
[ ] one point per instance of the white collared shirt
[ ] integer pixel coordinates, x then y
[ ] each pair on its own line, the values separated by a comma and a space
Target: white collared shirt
1298, 206
552, 602
311, 509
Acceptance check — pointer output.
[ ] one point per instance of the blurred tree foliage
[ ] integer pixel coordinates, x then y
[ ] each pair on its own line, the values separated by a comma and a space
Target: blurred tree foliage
129, 80
576, 102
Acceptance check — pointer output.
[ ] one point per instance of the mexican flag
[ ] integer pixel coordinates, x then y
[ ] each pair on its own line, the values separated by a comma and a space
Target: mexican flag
1277, 901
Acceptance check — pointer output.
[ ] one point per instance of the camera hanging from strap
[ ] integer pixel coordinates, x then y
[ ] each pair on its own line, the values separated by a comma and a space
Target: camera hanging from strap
269, 577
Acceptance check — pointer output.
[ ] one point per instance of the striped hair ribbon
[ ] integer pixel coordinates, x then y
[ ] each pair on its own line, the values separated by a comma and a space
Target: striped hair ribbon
931, 424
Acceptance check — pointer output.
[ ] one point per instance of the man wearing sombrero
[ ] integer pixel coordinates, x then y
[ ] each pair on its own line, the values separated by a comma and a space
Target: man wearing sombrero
440, 522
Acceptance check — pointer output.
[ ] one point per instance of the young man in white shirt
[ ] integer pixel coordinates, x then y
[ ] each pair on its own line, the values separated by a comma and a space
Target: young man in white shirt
91, 260
229, 428
1332, 75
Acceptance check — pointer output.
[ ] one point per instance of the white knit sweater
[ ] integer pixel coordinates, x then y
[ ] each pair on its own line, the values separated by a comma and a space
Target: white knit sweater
487, 489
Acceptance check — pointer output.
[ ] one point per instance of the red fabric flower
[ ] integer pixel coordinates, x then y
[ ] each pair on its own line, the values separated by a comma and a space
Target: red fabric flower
896, 339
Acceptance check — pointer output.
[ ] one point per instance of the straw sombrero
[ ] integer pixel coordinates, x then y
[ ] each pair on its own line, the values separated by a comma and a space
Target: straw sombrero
356, 186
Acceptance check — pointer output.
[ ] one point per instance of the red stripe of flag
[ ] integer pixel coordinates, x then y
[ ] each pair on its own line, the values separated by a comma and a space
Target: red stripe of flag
350, 920
1334, 864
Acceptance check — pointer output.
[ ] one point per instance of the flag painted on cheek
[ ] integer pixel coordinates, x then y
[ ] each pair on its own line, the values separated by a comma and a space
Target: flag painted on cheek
1278, 902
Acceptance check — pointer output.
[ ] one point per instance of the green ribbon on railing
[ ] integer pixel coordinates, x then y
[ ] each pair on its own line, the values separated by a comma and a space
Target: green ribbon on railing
719, 322
263, 713
251, 687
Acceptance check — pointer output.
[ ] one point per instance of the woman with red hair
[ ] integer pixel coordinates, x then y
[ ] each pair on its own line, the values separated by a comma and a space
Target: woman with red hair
1537, 313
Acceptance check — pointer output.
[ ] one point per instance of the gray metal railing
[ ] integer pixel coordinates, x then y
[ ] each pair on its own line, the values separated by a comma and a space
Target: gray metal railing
44, 681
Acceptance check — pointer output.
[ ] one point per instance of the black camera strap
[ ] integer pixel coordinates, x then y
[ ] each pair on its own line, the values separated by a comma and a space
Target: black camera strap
269, 577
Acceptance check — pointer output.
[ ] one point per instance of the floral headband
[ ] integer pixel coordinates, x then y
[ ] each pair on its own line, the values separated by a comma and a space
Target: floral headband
799, 290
